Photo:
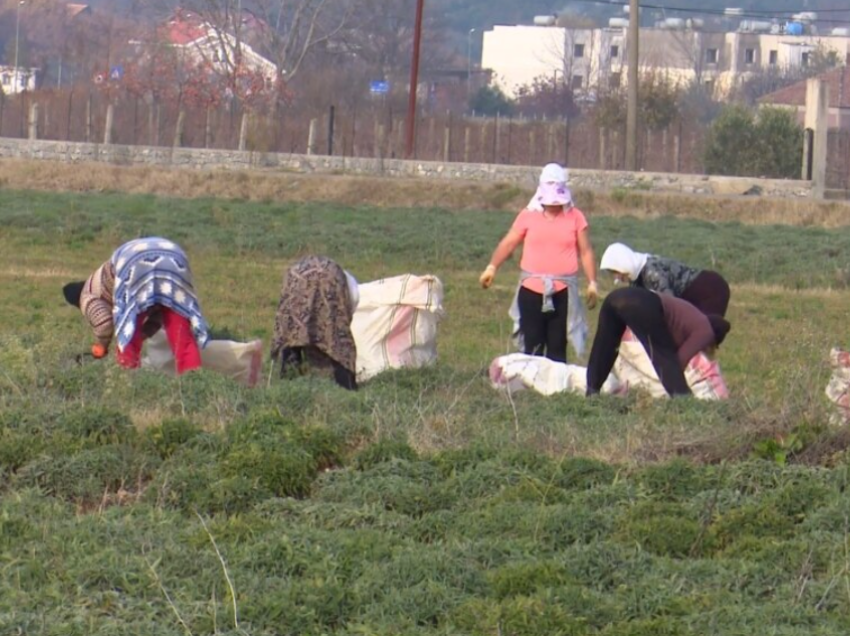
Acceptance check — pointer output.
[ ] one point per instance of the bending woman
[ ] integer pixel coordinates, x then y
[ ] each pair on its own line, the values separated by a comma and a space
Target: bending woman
146, 285
312, 331
555, 237
707, 290
671, 330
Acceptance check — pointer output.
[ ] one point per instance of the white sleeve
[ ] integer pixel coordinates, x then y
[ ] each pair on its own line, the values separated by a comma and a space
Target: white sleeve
353, 289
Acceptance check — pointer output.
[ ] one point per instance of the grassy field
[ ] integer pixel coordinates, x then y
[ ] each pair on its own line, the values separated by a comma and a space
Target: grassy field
427, 503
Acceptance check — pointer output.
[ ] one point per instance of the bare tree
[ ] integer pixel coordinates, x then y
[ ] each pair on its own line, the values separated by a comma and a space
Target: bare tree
380, 38
283, 31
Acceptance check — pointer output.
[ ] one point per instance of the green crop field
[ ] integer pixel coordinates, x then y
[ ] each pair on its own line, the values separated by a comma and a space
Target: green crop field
427, 502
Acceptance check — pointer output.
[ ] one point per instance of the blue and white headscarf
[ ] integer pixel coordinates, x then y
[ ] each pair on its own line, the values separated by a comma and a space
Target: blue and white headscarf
153, 272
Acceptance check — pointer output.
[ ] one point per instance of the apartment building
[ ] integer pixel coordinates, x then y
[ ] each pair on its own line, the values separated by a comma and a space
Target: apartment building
589, 59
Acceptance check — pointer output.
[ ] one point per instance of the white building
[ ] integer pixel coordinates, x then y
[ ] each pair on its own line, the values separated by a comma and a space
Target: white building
582, 58
588, 59
13, 82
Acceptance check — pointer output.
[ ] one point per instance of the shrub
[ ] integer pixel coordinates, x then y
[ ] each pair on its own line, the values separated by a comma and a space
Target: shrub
191, 480
522, 579
280, 470
92, 427
766, 143
382, 451
87, 475
660, 528
675, 480
582, 473
755, 520
171, 435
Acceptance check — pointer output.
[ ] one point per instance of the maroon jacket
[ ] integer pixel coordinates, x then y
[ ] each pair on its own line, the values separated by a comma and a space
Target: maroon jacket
689, 327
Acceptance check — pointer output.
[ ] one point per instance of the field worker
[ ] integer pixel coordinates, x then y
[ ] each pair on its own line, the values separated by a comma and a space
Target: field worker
671, 330
312, 331
555, 238
146, 285
708, 291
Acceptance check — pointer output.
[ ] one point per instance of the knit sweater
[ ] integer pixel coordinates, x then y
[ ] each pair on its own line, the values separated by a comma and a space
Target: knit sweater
96, 302
689, 327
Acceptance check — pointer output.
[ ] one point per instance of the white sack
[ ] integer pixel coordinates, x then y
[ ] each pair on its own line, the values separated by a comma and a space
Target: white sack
241, 361
517, 371
395, 325
634, 369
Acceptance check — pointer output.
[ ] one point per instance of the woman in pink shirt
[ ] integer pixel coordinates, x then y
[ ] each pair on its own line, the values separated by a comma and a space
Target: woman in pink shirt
555, 238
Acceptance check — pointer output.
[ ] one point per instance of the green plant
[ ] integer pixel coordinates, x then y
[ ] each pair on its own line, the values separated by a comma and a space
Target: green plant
764, 143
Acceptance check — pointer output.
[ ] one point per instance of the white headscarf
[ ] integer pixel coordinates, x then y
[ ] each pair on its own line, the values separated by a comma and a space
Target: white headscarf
624, 260
553, 173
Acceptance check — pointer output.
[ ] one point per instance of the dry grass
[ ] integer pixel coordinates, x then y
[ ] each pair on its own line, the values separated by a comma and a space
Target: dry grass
266, 185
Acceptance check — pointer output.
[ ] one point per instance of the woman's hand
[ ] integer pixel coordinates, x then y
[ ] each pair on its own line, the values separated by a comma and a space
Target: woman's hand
487, 276
592, 294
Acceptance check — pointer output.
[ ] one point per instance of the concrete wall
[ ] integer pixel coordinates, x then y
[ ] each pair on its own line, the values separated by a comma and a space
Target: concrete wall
524, 176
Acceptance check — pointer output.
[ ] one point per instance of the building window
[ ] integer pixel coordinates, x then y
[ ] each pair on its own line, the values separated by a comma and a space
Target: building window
577, 81
614, 80
615, 51
804, 60
709, 86
749, 56
578, 50
773, 58
711, 56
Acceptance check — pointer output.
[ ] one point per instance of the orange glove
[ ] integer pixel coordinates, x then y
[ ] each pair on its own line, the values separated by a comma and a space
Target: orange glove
99, 351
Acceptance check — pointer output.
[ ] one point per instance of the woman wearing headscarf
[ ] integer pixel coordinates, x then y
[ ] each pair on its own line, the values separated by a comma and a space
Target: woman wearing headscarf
671, 330
145, 286
555, 239
707, 290
312, 331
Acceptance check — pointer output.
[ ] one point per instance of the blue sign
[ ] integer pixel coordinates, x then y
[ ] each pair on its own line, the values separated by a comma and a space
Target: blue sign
379, 88
116, 73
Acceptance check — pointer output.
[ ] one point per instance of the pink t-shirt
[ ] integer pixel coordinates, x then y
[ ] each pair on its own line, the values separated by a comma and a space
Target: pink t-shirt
550, 245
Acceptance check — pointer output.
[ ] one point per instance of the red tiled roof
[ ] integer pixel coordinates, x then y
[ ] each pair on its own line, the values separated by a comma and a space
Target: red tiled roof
184, 31
838, 80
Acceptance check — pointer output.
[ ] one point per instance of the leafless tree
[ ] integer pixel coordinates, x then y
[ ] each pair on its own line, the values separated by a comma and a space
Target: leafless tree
283, 31
380, 37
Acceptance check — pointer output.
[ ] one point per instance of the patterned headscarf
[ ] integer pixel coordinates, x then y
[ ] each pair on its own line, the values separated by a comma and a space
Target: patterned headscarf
551, 188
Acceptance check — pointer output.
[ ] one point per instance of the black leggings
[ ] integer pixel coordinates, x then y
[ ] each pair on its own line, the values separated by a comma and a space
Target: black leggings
641, 311
544, 333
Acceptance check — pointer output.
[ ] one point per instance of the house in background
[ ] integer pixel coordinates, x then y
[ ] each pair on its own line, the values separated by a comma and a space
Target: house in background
203, 43
27, 79
793, 97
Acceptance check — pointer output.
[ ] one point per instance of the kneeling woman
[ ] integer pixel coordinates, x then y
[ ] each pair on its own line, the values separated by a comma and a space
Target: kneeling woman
707, 290
671, 330
146, 285
312, 330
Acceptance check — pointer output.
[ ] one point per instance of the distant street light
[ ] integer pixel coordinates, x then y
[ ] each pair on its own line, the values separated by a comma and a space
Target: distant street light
469, 64
17, 38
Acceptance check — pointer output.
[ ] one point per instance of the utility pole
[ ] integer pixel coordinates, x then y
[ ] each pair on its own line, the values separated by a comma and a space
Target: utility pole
414, 80
632, 110
17, 37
